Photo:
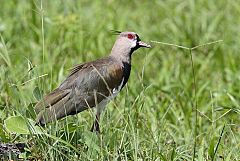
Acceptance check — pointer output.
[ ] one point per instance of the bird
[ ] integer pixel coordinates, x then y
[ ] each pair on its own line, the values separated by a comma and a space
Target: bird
91, 84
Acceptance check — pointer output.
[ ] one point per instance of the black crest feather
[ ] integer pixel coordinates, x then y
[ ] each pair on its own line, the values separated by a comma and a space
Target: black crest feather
115, 32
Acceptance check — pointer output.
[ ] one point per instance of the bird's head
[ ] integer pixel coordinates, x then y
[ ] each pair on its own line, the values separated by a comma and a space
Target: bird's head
132, 40
127, 42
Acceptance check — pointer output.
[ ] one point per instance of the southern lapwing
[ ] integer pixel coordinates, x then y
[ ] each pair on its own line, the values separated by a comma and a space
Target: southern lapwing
91, 84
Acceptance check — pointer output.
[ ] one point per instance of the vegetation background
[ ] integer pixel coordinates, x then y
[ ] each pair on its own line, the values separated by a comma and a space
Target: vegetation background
154, 117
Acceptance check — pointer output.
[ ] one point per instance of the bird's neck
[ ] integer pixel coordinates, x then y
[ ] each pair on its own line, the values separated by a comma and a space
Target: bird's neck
121, 54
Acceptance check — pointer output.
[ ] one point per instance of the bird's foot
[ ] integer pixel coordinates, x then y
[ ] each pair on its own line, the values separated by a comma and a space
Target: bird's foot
95, 127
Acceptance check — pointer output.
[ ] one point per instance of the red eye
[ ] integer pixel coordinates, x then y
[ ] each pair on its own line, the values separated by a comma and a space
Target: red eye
130, 36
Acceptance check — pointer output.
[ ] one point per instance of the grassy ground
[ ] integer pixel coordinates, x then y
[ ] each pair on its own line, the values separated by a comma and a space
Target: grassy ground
154, 117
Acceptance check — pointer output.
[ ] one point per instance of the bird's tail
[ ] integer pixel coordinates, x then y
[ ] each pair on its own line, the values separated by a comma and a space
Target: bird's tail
53, 107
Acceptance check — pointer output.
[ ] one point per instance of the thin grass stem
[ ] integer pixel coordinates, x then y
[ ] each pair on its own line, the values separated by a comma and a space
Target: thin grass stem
43, 38
195, 104
206, 44
219, 140
168, 44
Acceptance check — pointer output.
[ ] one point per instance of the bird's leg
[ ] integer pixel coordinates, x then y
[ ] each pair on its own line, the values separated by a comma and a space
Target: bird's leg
100, 108
95, 126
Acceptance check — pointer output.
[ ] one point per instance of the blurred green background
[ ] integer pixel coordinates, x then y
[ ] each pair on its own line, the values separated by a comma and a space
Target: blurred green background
153, 118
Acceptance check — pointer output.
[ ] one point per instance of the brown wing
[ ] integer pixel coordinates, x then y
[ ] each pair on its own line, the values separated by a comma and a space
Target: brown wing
51, 99
87, 85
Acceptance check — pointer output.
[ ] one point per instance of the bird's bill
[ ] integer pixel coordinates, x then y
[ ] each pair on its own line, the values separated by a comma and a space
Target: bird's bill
143, 44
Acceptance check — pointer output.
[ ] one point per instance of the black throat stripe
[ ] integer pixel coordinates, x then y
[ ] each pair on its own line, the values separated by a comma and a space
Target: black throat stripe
126, 72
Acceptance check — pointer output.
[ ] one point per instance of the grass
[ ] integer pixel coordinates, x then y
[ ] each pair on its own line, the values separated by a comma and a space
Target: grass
153, 118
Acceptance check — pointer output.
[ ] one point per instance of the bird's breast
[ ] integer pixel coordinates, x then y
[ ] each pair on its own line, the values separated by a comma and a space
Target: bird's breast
126, 72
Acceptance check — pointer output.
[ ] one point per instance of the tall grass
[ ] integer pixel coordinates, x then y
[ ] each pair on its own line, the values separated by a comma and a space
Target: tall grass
195, 99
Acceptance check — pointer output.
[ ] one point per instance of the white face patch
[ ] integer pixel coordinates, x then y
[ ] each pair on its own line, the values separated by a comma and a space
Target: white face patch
134, 43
